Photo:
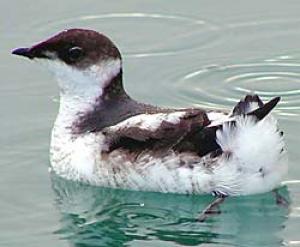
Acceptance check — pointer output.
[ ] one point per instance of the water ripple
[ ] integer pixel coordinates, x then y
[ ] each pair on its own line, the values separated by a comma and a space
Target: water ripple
116, 217
216, 86
268, 23
144, 34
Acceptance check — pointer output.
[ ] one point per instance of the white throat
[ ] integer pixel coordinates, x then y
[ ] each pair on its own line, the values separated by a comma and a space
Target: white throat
81, 89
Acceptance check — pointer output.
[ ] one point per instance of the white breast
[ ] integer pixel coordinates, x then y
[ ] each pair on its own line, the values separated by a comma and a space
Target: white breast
76, 158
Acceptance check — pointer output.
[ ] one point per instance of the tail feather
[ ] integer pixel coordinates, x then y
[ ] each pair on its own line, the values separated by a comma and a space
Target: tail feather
252, 105
263, 111
248, 104
243, 108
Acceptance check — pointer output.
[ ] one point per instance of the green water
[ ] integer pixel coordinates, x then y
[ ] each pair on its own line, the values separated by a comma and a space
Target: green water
176, 53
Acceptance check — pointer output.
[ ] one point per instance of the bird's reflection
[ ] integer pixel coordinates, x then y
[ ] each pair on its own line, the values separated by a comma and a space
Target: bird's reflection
93, 216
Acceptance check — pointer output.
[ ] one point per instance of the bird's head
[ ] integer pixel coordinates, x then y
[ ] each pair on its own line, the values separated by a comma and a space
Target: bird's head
82, 60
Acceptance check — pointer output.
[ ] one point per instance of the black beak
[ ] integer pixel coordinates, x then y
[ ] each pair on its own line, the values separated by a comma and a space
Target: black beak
26, 52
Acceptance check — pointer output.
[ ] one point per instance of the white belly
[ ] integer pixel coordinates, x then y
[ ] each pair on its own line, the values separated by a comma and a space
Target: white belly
256, 163
82, 160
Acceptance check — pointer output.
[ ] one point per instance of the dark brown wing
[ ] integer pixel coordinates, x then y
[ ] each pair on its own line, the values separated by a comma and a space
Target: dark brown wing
189, 134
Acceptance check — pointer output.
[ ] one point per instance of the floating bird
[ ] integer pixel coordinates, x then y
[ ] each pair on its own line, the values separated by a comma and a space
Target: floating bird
103, 137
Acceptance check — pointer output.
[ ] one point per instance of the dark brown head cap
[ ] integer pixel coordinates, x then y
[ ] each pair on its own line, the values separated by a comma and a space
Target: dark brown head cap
77, 47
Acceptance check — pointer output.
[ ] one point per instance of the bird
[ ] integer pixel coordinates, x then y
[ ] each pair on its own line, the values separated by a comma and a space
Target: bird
104, 137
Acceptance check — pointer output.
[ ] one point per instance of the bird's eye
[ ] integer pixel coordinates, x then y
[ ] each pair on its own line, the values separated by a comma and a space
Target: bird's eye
75, 53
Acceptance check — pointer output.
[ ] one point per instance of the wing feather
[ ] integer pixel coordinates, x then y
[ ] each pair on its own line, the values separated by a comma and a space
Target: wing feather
182, 131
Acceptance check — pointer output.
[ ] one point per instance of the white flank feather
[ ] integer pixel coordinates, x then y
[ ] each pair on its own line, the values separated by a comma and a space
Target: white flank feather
256, 158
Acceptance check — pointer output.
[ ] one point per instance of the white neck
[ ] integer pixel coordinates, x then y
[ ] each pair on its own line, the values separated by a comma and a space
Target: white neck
81, 89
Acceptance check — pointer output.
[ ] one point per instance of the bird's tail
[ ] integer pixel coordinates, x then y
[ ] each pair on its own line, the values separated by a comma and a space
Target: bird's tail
251, 108
252, 105
252, 149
